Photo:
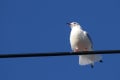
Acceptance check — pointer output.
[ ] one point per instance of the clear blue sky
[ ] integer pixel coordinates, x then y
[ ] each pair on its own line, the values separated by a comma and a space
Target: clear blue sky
40, 26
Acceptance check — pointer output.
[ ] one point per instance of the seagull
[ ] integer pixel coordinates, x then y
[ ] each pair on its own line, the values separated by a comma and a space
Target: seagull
81, 41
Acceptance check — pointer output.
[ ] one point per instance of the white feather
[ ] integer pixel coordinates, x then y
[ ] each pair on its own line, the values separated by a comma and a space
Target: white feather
80, 41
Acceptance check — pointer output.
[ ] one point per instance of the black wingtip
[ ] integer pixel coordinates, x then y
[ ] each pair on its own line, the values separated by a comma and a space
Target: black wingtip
101, 61
92, 66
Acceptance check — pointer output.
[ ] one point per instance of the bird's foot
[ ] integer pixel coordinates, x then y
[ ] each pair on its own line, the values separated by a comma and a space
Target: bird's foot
86, 49
76, 50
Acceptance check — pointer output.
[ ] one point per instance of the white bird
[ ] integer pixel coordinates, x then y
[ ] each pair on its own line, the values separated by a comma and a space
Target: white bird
81, 41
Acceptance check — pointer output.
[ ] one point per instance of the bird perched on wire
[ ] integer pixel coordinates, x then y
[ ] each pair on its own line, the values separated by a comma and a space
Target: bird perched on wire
81, 41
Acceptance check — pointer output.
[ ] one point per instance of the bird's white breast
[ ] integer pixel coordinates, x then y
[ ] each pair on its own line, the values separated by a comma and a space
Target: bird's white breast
78, 39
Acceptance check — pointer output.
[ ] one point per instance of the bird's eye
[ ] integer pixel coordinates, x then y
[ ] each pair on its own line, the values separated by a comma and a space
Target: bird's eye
74, 23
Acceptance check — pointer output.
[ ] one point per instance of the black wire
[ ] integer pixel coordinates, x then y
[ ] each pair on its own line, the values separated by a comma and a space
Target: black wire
58, 54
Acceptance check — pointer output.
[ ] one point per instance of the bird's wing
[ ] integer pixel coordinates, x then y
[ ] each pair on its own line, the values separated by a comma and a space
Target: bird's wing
88, 36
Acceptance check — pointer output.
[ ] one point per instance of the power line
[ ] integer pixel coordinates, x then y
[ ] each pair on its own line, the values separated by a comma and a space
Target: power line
58, 54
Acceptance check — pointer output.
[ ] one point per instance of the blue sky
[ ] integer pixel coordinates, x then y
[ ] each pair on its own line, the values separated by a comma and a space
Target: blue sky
40, 26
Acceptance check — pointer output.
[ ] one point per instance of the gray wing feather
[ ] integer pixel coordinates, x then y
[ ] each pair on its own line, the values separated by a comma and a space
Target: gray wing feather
90, 39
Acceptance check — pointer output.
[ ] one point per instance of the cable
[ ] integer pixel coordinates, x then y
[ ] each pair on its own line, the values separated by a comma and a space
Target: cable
58, 54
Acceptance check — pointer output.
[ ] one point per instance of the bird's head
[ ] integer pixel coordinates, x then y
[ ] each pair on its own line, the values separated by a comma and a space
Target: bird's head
74, 24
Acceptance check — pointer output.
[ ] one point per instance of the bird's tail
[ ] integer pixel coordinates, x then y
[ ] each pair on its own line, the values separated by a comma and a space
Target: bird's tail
89, 59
